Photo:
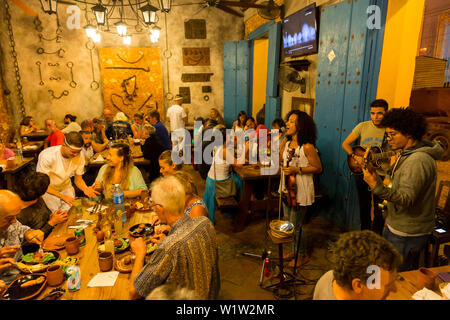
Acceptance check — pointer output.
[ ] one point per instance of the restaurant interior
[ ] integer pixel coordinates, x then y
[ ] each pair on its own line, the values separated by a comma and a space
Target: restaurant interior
64, 62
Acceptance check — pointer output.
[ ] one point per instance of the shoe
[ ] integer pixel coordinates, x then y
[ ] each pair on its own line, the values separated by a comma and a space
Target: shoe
301, 261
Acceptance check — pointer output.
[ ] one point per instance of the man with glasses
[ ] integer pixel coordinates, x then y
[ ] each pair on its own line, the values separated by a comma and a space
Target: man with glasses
186, 258
411, 194
370, 134
60, 163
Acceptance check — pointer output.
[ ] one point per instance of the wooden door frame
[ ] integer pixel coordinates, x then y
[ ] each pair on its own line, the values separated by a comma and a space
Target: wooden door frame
273, 100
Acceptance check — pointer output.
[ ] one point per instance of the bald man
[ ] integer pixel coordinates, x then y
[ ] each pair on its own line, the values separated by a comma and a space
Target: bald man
56, 136
13, 234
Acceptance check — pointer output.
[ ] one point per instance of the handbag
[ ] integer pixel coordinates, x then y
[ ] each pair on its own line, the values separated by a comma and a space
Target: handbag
225, 188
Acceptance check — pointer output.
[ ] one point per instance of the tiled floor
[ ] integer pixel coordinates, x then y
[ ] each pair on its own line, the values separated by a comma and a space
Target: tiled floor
240, 275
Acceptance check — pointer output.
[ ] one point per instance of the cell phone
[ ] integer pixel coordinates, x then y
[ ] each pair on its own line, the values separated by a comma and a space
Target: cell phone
440, 230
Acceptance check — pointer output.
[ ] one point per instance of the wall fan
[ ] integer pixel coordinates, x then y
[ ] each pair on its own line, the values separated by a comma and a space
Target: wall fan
290, 80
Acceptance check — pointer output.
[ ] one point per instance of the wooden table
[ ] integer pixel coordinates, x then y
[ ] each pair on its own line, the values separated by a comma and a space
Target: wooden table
31, 153
406, 287
251, 174
88, 261
40, 135
11, 173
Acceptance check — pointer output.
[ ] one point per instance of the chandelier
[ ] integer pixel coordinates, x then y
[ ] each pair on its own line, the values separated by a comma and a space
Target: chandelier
118, 16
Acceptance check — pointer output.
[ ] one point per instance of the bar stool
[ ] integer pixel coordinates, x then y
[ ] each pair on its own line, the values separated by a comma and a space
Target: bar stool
285, 288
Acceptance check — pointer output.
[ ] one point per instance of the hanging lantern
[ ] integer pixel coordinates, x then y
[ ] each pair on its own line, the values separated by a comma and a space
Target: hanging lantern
149, 13
90, 30
154, 34
165, 5
49, 6
100, 14
121, 28
126, 40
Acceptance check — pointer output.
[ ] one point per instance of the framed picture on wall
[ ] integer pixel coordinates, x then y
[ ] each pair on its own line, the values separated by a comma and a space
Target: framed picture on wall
303, 104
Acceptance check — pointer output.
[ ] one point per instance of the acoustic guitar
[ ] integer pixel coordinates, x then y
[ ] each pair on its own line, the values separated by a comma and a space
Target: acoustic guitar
377, 160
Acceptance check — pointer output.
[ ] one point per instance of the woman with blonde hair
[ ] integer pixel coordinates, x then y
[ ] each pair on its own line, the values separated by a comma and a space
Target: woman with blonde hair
195, 207
120, 170
166, 164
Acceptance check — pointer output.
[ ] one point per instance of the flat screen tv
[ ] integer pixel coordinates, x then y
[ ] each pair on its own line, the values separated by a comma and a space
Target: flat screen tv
300, 32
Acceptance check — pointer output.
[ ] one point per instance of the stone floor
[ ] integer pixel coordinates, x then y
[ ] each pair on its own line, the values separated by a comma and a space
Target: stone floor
241, 274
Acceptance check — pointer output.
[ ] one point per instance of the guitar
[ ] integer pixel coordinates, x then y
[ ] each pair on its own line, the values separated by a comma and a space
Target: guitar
376, 160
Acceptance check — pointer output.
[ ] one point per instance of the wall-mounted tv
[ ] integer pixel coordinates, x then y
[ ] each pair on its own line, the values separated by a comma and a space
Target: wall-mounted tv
300, 32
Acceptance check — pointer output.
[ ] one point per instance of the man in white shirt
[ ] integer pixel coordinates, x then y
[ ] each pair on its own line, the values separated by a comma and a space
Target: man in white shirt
60, 163
176, 114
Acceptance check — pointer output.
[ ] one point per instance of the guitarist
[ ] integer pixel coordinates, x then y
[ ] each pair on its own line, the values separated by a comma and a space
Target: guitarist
370, 134
411, 197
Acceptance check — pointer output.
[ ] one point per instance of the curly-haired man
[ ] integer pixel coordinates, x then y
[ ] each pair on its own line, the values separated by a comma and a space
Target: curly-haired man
410, 194
365, 268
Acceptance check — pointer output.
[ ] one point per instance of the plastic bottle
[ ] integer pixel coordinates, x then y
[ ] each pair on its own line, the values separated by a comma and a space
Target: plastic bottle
19, 149
119, 203
266, 268
74, 280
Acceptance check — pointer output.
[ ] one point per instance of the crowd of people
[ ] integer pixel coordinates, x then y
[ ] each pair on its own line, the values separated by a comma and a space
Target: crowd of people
188, 256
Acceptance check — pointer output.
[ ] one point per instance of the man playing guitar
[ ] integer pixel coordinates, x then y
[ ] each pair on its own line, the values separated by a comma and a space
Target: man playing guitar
370, 134
411, 197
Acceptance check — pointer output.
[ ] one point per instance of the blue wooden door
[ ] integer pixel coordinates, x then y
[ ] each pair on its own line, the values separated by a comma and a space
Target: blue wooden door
236, 81
346, 63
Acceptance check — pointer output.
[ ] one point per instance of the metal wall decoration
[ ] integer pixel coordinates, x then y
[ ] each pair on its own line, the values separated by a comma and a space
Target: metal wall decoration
72, 83
195, 29
206, 89
185, 92
52, 94
38, 63
196, 77
90, 45
132, 78
196, 57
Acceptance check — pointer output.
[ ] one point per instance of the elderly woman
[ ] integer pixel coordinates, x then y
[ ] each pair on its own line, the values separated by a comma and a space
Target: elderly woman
27, 126
195, 207
120, 170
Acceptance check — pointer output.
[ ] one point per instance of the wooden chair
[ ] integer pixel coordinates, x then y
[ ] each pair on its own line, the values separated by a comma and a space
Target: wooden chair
438, 238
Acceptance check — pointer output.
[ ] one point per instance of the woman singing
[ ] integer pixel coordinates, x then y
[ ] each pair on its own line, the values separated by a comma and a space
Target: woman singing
301, 160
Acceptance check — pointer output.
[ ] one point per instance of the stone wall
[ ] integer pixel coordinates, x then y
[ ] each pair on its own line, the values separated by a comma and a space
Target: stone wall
52, 94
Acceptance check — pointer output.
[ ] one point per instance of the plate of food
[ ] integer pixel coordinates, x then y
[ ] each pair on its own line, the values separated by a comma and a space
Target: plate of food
144, 230
151, 247
55, 242
120, 245
125, 263
35, 262
26, 287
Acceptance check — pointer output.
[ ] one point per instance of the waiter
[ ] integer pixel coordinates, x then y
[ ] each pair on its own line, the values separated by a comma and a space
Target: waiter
60, 163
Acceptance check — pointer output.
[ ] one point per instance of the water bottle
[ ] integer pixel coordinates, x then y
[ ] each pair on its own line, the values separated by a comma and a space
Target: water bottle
74, 280
119, 203
19, 149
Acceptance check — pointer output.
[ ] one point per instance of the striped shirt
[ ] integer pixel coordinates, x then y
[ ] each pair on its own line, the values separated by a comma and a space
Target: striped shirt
187, 258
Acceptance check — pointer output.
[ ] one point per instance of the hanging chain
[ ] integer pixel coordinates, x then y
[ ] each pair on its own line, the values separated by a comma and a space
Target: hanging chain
12, 44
